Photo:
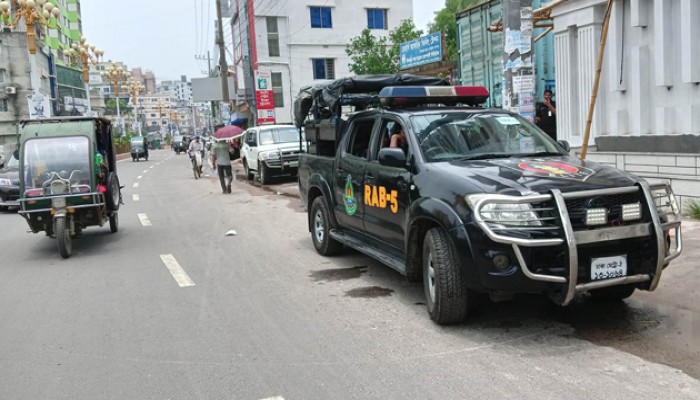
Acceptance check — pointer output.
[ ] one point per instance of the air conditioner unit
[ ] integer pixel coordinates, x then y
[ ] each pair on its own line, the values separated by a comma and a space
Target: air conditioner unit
11, 90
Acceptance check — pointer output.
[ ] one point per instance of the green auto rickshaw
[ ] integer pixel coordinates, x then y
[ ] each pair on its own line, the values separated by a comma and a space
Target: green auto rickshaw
139, 148
68, 177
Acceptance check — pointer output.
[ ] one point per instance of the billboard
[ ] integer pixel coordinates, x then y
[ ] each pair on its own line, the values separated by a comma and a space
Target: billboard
424, 50
264, 97
39, 106
209, 89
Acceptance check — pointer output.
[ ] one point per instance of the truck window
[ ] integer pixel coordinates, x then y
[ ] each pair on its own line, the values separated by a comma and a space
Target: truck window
360, 134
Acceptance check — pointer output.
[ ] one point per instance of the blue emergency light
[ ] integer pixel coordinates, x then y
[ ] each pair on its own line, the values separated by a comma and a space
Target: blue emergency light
394, 96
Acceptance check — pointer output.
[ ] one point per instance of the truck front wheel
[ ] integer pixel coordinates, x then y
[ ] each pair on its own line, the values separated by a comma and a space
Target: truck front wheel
321, 228
443, 281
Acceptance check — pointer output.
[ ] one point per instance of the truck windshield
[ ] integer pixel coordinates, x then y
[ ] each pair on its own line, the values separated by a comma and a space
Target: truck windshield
279, 135
63, 155
452, 136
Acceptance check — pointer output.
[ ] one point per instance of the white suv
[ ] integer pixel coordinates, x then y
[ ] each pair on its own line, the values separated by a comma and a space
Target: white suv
271, 150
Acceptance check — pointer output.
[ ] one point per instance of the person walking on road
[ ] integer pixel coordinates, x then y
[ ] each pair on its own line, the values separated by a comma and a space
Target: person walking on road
196, 151
221, 157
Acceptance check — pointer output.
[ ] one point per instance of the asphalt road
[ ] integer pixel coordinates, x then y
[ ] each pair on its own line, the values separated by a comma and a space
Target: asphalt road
170, 307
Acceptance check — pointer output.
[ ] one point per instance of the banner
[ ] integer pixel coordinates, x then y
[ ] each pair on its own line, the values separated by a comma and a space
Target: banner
39, 106
264, 98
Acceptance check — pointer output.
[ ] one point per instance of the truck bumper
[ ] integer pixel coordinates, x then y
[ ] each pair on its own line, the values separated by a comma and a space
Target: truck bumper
566, 260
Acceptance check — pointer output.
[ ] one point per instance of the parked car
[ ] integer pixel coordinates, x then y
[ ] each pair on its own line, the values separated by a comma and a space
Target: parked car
271, 150
9, 184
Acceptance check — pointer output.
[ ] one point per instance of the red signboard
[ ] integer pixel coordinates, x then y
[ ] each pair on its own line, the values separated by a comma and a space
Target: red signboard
264, 98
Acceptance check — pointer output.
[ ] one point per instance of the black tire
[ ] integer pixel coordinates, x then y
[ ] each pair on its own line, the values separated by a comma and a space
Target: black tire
62, 233
321, 226
264, 173
246, 170
112, 194
613, 293
444, 284
114, 222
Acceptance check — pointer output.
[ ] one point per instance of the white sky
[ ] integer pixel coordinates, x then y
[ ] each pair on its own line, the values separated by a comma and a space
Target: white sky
164, 35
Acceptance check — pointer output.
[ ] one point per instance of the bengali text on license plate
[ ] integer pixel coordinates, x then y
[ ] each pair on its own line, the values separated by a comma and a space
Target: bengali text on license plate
608, 267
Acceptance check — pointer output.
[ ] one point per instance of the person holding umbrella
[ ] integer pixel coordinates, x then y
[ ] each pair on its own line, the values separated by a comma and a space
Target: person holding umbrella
221, 157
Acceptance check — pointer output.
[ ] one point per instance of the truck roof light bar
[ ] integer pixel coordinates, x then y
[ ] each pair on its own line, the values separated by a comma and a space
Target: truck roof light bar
396, 96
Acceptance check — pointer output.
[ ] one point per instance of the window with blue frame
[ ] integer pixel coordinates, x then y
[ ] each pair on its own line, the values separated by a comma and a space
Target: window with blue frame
324, 68
377, 18
321, 17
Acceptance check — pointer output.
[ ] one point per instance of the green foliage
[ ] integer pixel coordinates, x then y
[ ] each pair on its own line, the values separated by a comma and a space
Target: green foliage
693, 209
111, 107
445, 21
372, 55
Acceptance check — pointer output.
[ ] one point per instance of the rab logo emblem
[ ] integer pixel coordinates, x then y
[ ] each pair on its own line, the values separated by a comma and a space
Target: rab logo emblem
557, 169
549, 167
349, 197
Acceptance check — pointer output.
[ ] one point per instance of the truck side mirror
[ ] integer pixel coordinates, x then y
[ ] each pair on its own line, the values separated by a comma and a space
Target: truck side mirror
15, 154
564, 145
392, 157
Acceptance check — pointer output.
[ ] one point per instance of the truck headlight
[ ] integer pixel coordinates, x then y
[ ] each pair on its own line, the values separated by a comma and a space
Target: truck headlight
511, 214
269, 155
5, 182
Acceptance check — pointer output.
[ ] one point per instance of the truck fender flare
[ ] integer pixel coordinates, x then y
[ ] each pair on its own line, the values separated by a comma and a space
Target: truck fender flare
428, 212
317, 184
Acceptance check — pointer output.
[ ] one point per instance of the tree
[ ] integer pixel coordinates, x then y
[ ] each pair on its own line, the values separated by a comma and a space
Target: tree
445, 21
111, 107
372, 55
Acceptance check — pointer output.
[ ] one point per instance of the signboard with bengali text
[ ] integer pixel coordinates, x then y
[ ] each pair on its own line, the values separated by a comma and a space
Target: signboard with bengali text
264, 97
424, 50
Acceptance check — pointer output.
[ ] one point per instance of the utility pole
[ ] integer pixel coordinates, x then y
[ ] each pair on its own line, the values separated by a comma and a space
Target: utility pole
223, 67
519, 72
208, 58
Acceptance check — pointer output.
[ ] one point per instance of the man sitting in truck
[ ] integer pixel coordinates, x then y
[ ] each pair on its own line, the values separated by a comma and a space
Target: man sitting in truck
398, 139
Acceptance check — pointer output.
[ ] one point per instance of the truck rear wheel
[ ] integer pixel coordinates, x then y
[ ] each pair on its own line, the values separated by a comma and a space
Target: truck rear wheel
444, 284
321, 228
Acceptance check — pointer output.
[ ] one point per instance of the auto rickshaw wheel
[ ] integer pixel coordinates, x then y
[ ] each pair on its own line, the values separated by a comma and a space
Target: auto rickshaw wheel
114, 222
112, 192
62, 233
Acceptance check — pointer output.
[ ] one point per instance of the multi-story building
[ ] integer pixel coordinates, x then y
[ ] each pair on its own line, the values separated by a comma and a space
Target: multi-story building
183, 91
23, 95
68, 30
299, 43
156, 112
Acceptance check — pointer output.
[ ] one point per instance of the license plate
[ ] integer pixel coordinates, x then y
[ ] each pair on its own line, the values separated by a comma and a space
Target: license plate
608, 267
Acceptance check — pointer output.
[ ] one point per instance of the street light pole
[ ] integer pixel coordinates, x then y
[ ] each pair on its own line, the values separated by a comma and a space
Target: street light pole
86, 53
115, 74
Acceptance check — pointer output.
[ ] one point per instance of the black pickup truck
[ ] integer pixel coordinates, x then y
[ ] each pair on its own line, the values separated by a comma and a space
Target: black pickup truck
481, 200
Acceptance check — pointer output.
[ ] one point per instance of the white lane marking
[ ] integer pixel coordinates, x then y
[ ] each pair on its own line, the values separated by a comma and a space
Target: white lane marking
135, 197
135, 184
139, 177
176, 270
144, 220
274, 398
150, 167
145, 171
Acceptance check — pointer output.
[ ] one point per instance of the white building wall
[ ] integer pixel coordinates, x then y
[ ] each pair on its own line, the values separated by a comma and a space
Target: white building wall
299, 43
650, 82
